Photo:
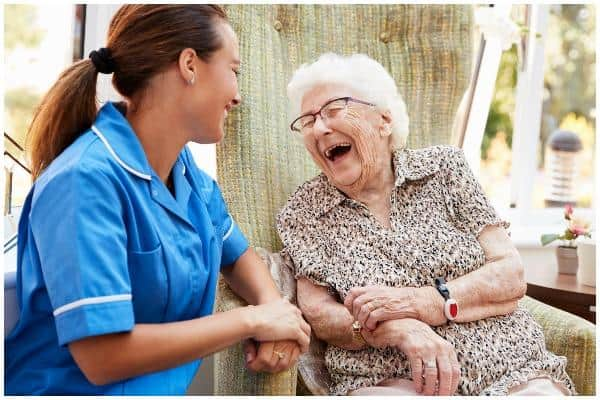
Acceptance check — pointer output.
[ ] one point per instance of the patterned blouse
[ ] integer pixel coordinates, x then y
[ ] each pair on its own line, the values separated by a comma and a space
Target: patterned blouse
437, 211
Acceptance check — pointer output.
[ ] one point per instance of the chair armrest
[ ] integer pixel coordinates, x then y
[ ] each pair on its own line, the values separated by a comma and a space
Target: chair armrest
570, 336
231, 376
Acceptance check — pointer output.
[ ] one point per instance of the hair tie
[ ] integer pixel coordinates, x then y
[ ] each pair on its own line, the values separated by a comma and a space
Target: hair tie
103, 61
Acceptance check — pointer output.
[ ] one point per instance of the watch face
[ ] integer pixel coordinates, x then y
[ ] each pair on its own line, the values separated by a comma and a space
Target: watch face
453, 310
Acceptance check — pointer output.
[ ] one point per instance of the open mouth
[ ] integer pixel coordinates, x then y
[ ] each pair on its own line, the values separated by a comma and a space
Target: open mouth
337, 151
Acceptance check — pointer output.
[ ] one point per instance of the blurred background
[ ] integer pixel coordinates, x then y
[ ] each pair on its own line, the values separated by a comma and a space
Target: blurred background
569, 101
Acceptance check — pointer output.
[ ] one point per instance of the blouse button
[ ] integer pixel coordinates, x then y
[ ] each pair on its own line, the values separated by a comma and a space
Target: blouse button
278, 25
384, 37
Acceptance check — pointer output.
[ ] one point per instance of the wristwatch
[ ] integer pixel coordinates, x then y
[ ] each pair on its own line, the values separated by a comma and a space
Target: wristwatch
450, 305
356, 327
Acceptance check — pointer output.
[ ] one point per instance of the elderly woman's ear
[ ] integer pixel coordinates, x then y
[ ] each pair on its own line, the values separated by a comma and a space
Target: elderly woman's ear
386, 123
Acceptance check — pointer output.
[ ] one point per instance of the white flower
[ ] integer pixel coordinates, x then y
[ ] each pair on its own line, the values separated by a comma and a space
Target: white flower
496, 26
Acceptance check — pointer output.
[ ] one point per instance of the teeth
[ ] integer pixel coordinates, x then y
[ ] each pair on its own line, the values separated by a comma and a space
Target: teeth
328, 151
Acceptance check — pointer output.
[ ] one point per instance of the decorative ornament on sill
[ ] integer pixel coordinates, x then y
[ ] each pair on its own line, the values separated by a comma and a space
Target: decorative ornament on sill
566, 254
493, 24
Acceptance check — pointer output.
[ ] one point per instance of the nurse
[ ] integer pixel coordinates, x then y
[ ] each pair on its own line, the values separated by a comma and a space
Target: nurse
122, 237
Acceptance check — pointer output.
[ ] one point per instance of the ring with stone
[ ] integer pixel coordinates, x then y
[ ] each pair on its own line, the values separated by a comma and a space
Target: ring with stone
279, 354
430, 364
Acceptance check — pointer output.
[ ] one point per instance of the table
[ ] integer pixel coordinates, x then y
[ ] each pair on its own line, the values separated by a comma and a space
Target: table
545, 284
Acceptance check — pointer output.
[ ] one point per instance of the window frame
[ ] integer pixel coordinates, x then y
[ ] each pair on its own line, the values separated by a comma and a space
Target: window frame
527, 222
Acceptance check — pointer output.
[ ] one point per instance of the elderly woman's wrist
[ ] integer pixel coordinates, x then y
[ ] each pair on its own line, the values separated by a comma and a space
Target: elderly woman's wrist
430, 306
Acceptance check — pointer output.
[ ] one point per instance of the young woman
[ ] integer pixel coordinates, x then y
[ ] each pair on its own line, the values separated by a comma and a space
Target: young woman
122, 237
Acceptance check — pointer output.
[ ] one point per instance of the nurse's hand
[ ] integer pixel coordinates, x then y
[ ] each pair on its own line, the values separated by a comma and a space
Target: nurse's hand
279, 320
270, 356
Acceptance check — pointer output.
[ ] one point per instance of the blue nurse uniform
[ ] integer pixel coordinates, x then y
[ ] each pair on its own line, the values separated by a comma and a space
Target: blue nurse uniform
103, 245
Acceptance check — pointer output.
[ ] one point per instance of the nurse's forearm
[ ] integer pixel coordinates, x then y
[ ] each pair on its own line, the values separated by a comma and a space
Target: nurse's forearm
250, 278
153, 347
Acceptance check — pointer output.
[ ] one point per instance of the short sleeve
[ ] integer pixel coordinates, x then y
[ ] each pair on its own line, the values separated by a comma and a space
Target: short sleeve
469, 207
304, 248
79, 231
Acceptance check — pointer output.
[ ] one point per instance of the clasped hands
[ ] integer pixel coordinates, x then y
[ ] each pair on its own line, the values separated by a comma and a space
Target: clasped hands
401, 318
271, 348
271, 356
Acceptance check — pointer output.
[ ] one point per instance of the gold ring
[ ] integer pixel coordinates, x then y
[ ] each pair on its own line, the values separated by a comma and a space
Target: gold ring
279, 354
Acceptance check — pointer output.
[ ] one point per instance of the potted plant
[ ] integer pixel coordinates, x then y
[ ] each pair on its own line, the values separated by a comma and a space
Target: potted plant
566, 253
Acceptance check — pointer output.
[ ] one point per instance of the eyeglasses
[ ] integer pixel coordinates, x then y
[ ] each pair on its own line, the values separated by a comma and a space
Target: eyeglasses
335, 108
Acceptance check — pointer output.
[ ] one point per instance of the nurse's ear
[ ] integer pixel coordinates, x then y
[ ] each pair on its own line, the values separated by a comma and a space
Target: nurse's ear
187, 59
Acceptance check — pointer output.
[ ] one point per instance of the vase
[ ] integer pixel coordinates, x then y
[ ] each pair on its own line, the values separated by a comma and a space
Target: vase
566, 258
586, 253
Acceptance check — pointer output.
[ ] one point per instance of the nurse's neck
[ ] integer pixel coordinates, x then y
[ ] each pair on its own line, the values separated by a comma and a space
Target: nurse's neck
159, 135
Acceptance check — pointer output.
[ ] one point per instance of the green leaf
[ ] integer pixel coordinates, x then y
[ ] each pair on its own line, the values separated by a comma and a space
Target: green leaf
548, 238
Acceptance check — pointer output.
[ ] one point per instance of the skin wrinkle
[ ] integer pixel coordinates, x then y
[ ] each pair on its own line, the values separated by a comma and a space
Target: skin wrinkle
362, 134
330, 323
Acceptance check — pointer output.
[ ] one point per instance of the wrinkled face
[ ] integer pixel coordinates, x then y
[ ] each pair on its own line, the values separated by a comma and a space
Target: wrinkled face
349, 149
215, 91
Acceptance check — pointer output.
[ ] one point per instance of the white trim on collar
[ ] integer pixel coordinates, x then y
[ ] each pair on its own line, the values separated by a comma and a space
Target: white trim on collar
116, 157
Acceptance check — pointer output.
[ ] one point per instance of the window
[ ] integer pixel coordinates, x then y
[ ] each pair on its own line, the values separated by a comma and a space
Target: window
543, 83
39, 42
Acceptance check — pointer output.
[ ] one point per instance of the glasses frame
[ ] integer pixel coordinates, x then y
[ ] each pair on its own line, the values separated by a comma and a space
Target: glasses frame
314, 115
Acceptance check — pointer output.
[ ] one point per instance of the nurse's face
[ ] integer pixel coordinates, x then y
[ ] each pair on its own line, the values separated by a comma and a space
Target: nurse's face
215, 90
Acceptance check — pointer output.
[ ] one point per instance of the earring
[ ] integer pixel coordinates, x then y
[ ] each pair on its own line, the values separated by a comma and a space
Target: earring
192, 79
387, 130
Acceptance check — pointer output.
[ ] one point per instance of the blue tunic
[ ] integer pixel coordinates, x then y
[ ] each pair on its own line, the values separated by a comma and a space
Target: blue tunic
103, 245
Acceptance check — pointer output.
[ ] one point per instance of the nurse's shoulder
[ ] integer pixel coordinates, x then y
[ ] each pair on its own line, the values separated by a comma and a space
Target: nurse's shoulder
84, 167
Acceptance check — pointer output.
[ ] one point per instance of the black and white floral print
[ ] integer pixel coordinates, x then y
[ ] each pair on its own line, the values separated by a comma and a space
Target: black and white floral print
438, 210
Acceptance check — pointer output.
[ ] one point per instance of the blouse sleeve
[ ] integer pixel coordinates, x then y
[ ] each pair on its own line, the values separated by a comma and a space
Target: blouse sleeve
302, 245
468, 205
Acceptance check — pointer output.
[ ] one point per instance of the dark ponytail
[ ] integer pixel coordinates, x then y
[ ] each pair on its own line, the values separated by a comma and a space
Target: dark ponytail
65, 112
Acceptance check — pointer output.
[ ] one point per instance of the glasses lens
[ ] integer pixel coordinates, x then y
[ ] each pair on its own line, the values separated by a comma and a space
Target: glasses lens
305, 122
334, 109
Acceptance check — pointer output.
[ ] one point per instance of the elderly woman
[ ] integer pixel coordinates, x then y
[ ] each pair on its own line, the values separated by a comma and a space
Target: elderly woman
403, 266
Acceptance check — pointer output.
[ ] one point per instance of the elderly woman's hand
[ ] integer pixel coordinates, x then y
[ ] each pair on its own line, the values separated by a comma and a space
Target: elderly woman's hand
270, 356
372, 304
432, 359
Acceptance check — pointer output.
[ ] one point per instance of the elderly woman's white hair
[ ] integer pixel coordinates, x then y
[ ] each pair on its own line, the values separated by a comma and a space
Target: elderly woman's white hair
362, 74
